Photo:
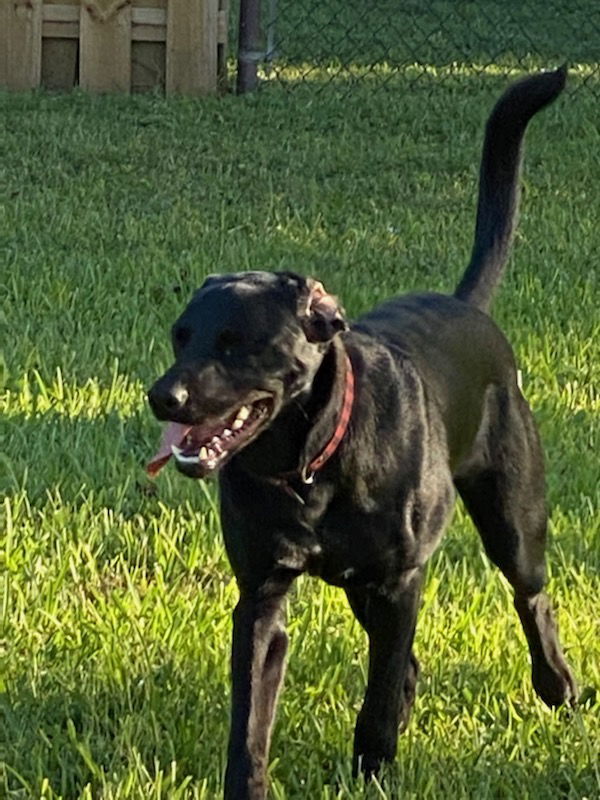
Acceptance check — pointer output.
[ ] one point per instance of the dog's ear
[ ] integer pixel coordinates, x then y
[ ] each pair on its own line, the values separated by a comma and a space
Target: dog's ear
320, 313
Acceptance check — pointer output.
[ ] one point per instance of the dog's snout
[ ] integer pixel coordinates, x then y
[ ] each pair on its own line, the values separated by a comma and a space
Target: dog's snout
167, 398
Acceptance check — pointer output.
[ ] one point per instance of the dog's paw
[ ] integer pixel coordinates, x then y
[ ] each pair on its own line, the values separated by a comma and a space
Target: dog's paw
555, 684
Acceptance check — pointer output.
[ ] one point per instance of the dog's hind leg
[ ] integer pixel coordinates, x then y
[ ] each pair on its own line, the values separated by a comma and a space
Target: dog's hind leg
257, 667
389, 618
503, 491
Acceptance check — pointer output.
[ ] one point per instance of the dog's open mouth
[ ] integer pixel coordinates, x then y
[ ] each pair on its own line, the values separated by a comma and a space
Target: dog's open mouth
203, 448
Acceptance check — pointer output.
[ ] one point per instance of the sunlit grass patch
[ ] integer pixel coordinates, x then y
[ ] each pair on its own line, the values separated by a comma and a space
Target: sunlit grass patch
36, 396
332, 70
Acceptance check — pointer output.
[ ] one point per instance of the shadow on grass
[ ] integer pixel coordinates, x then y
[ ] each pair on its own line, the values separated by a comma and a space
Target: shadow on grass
78, 732
75, 728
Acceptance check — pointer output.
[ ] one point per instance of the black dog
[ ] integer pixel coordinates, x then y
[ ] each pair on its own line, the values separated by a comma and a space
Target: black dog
340, 449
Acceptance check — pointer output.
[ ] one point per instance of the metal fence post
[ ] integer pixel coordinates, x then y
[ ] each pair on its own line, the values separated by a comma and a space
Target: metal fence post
249, 49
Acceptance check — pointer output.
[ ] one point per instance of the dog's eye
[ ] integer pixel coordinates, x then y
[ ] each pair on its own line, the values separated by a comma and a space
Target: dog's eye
227, 341
181, 337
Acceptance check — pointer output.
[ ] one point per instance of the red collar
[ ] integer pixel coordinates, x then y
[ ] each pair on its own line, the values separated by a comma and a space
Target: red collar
307, 472
340, 429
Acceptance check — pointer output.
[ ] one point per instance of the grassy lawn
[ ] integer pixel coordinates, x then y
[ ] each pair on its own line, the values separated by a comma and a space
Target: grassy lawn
115, 593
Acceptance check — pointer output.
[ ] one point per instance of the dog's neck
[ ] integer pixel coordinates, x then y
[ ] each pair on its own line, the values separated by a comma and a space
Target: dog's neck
331, 422
305, 427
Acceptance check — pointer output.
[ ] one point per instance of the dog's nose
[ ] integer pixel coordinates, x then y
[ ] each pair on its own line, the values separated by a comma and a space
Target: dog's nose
166, 398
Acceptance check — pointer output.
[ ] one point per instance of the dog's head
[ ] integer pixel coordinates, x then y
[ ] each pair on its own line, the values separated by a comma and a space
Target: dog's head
246, 345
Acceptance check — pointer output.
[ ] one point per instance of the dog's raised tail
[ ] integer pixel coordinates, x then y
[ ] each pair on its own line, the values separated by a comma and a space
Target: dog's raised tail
498, 202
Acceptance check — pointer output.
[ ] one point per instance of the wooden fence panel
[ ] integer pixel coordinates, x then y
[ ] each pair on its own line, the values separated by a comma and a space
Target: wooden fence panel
192, 46
105, 54
60, 21
21, 54
114, 45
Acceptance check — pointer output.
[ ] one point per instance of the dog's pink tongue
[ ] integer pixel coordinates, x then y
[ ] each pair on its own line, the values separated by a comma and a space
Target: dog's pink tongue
174, 433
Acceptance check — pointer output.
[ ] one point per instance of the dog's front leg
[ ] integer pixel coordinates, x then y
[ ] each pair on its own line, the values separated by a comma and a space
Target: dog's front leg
389, 618
257, 667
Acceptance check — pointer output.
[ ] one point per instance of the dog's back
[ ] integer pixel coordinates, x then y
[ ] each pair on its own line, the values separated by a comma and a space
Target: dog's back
458, 352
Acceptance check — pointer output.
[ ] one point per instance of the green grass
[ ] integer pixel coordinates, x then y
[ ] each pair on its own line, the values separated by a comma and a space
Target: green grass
115, 593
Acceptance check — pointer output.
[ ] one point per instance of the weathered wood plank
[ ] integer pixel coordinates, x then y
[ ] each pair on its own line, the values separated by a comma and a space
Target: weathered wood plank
223, 22
192, 46
148, 16
148, 24
60, 30
61, 12
148, 33
105, 52
20, 43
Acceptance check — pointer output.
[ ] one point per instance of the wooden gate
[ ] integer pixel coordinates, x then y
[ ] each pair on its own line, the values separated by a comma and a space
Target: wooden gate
114, 45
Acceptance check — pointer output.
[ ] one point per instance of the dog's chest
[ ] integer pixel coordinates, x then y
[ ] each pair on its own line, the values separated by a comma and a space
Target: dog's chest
358, 544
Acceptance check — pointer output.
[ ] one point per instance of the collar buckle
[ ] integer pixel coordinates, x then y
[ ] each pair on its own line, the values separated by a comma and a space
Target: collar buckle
308, 478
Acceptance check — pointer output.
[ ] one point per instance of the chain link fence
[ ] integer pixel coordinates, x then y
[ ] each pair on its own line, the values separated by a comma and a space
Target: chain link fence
296, 42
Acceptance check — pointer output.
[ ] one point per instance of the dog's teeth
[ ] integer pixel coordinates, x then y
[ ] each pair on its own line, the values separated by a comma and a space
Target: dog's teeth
186, 459
211, 464
243, 413
176, 450
241, 417
216, 445
227, 433
203, 453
